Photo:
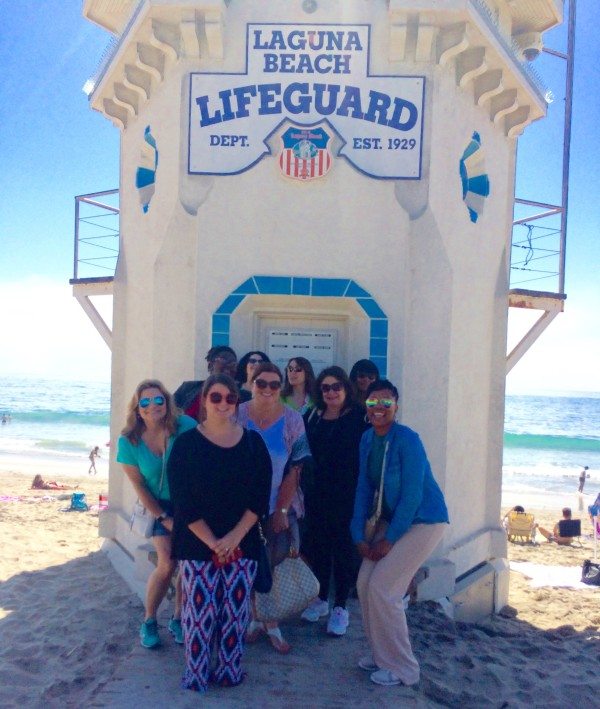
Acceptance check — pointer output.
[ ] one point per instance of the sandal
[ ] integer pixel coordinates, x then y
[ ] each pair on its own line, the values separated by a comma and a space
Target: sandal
255, 629
277, 641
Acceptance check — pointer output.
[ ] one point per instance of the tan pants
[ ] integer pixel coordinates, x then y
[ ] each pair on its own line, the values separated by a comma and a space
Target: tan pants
381, 587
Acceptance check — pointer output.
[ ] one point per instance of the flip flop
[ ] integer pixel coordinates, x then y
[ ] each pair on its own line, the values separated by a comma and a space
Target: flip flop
277, 641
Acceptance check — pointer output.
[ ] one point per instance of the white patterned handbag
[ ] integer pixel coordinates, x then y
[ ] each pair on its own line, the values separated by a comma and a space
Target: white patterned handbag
294, 587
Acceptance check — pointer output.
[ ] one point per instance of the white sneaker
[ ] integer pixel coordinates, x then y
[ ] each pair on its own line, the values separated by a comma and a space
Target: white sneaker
317, 609
385, 678
338, 621
368, 663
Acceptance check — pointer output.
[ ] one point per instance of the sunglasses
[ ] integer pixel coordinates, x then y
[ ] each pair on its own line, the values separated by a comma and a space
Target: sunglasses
263, 384
147, 400
254, 360
295, 369
336, 386
386, 403
364, 375
215, 397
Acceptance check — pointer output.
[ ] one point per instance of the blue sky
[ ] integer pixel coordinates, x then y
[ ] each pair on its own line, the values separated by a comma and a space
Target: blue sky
54, 147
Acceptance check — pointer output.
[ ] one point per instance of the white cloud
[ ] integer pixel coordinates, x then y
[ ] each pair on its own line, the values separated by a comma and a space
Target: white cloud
46, 334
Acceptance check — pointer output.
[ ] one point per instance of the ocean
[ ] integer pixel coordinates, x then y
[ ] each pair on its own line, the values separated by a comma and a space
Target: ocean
547, 439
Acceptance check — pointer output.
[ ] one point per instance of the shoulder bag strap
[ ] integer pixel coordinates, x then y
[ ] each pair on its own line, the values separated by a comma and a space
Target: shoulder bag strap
380, 496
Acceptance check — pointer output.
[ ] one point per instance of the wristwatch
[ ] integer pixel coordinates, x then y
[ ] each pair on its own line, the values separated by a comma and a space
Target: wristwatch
162, 517
283, 510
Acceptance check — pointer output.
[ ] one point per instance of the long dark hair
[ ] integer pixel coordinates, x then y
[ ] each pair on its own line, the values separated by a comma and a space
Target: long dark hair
309, 377
242, 375
339, 374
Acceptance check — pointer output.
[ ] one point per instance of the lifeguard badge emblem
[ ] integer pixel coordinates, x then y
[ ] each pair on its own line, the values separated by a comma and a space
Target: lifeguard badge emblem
305, 153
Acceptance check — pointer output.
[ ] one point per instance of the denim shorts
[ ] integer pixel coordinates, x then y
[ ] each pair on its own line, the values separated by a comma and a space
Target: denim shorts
159, 530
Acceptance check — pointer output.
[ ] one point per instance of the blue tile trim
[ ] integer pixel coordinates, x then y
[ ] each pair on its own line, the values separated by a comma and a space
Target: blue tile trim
330, 287
305, 286
274, 285
220, 323
379, 328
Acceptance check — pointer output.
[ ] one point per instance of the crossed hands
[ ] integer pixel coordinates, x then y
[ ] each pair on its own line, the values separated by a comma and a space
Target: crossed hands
225, 547
375, 551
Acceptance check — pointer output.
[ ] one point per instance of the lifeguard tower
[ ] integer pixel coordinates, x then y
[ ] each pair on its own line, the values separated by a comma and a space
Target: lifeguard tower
333, 178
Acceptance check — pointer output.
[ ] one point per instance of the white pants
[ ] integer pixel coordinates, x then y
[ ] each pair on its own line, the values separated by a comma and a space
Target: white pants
381, 587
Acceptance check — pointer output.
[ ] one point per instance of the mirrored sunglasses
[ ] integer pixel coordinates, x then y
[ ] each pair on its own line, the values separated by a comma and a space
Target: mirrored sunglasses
336, 386
215, 397
386, 403
147, 400
263, 384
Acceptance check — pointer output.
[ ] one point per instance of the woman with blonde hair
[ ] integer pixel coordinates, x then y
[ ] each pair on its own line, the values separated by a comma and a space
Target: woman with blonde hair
143, 449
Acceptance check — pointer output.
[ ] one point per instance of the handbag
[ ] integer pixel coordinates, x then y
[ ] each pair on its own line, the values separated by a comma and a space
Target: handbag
294, 587
375, 527
142, 520
263, 581
590, 573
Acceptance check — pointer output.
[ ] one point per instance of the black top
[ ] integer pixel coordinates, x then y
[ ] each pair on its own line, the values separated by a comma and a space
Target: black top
334, 446
217, 485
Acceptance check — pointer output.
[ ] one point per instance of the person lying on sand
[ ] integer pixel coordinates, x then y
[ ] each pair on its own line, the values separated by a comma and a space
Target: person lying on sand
40, 484
554, 536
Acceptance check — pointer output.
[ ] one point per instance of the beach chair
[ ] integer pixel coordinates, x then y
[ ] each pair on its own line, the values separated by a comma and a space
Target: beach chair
520, 527
570, 528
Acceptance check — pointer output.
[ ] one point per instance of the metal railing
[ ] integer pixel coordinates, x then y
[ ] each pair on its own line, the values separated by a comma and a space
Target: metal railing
96, 235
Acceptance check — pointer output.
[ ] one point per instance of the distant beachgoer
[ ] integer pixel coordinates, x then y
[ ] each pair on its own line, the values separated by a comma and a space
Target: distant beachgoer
4, 419
94, 453
40, 484
554, 536
582, 476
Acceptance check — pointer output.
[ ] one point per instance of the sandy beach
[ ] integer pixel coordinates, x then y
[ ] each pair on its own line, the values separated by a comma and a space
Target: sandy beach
69, 627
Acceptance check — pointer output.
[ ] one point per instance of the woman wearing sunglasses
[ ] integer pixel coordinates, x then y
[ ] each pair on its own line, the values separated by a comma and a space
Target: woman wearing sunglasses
334, 428
299, 384
282, 430
412, 523
362, 374
220, 478
246, 367
143, 449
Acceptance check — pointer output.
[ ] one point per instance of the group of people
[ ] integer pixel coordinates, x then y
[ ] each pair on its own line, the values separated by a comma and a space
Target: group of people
253, 454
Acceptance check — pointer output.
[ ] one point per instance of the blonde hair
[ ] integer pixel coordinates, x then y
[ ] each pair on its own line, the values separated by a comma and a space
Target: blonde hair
134, 424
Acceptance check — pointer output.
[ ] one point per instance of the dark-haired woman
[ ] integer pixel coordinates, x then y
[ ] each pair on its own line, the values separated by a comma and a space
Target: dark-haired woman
362, 375
299, 384
413, 520
334, 429
282, 430
220, 478
246, 367
143, 450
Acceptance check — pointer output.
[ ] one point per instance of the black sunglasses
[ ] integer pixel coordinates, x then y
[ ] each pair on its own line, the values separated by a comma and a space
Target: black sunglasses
216, 397
336, 386
263, 384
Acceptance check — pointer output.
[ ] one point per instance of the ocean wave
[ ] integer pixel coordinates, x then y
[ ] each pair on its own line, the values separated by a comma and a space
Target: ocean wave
64, 446
88, 418
548, 442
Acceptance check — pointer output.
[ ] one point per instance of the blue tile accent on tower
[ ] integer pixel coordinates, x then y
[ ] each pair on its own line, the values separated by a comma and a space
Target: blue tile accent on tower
220, 323
331, 287
247, 288
381, 363
370, 307
300, 286
378, 348
274, 285
379, 328
220, 338
355, 291
230, 304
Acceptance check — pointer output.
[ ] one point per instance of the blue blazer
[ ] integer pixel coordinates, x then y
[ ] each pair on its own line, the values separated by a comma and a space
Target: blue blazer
410, 489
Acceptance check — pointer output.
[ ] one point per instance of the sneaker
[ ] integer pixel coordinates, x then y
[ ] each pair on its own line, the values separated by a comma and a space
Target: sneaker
317, 609
149, 634
385, 678
338, 621
176, 630
368, 663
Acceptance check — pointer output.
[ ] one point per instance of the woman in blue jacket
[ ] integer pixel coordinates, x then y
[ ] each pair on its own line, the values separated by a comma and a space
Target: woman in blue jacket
412, 522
